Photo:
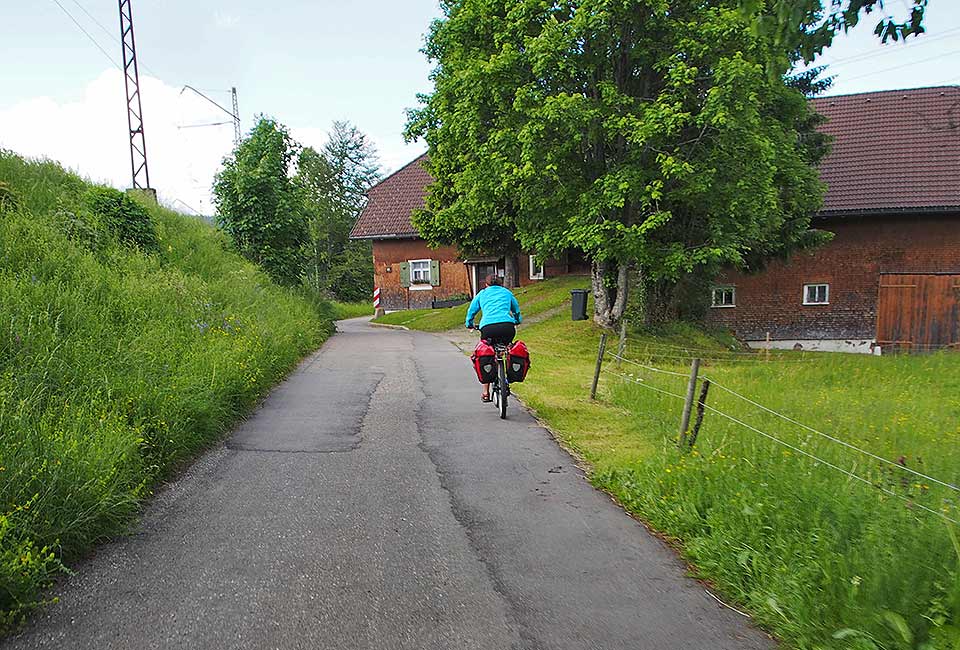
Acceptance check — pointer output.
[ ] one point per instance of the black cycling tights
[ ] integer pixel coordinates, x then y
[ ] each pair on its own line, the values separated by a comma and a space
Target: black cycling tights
498, 332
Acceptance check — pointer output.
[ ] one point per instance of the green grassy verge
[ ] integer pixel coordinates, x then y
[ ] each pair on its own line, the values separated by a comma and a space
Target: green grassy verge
819, 558
117, 363
342, 310
535, 301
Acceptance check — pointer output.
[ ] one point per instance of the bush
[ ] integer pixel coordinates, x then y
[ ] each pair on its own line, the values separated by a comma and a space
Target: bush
351, 276
122, 217
116, 366
8, 199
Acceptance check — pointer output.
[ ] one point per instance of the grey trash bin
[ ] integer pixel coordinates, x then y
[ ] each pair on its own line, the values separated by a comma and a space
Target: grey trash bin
578, 304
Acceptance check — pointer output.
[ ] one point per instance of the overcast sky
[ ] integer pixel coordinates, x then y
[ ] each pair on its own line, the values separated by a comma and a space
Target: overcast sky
305, 63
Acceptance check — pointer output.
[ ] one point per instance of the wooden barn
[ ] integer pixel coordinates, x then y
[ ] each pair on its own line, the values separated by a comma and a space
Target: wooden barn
891, 276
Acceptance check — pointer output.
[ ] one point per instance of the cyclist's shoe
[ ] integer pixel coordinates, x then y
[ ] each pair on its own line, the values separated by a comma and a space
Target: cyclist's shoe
486, 398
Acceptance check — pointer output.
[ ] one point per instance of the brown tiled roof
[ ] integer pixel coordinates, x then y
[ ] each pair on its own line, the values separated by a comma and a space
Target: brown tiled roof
892, 150
391, 202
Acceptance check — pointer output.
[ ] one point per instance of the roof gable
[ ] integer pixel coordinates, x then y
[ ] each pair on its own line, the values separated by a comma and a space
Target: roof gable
892, 151
392, 201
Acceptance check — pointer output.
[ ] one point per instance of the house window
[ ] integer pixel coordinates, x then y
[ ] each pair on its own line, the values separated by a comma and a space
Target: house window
816, 294
536, 270
420, 272
724, 297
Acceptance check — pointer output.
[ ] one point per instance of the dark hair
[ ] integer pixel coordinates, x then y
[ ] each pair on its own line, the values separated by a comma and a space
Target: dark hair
494, 280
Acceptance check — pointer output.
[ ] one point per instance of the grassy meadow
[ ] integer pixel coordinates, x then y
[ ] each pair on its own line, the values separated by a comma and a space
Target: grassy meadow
819, 558
130, 338
343, 310
536, 301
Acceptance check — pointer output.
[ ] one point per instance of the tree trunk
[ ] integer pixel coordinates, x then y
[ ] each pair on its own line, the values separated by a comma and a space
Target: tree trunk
601, 295
510, 271
623, 281
609, 303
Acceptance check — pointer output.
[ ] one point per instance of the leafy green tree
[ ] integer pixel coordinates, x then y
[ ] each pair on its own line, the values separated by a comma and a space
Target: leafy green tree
259, 206
465, 124
333, 185
353, 160
647, 133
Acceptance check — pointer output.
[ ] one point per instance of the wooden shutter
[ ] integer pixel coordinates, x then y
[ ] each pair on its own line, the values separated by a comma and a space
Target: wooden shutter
404, 274
435, 273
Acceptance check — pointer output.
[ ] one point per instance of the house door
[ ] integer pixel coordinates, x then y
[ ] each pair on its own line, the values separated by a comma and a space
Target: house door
919, 311
480, 272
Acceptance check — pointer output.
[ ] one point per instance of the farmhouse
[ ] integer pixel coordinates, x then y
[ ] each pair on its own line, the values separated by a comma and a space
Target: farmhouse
410, 274
891, 275
889, 278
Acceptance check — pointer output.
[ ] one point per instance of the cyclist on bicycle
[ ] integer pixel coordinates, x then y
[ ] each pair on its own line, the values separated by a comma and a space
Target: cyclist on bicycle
501, 315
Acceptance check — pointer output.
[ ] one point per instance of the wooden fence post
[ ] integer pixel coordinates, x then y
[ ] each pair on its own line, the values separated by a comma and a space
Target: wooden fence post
622, 346
596, 373
701, 408
688, 402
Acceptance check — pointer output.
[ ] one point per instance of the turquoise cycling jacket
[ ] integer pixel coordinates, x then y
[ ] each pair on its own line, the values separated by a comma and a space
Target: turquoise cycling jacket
498, 306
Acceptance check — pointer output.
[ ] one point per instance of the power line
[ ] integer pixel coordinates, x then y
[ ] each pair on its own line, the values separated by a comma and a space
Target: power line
898, 67
111, 35
197, 126
87, 34
873, 52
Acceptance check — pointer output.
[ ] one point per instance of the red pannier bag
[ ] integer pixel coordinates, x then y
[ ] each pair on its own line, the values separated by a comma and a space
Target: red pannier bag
484, 362
518, 362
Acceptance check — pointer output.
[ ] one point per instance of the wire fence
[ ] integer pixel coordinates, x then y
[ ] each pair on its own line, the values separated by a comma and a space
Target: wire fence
692, 378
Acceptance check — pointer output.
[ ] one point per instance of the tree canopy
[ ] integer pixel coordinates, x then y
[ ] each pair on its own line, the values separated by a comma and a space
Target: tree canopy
290, 208
333, 183
645, 133
258, 205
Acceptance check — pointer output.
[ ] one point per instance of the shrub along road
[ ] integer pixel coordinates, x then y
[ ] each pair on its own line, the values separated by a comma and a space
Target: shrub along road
374, 502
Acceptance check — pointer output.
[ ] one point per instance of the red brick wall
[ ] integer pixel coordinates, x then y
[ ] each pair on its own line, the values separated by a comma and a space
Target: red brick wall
851, 264
387, 256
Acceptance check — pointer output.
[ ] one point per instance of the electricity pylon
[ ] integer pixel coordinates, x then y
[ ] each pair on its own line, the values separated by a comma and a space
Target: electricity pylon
236, 117
131, 74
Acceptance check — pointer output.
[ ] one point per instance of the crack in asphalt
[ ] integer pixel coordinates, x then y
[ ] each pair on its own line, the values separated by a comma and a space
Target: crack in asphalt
459, 512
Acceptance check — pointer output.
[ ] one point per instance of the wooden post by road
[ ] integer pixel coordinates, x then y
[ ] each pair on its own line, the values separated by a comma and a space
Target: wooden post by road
701, 408
596, 373
622, 346
688, 402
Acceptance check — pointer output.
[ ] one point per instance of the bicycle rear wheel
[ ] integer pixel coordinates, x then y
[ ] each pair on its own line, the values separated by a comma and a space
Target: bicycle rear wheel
502, 389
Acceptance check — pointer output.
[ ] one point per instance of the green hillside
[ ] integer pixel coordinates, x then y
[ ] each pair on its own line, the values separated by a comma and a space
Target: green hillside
130, 338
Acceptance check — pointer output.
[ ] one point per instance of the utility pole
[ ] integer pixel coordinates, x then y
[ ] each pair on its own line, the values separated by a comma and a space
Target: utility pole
138, 143
236, 117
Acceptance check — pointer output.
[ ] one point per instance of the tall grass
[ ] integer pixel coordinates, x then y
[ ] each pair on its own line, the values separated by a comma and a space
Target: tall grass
819, 558
115, 366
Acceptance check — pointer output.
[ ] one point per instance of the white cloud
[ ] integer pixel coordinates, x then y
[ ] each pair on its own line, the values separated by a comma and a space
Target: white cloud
90, 136
225, 20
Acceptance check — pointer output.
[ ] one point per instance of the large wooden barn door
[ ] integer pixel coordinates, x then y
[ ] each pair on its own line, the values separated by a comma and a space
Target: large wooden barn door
919, 311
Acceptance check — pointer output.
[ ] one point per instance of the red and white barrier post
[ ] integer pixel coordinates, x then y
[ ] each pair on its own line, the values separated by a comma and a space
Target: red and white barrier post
376, 302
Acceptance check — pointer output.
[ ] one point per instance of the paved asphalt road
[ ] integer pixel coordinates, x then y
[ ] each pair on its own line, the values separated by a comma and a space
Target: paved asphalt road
374, 502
